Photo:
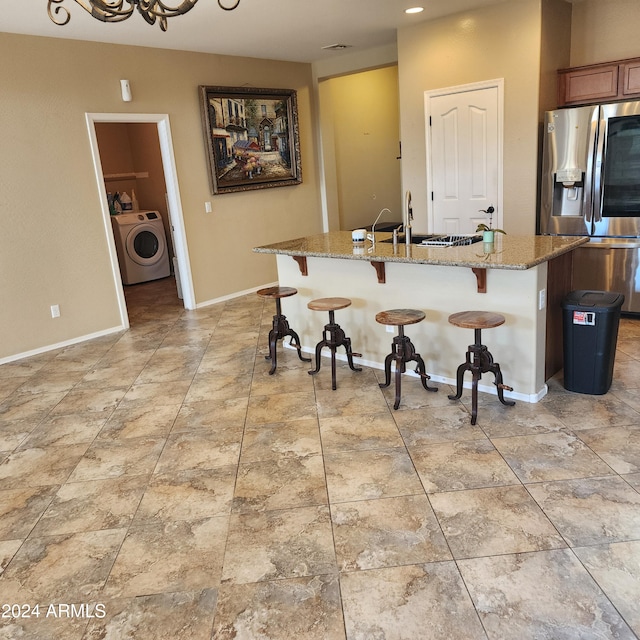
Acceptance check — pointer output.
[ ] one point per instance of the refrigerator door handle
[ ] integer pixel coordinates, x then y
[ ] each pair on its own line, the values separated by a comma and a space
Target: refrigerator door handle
601, 154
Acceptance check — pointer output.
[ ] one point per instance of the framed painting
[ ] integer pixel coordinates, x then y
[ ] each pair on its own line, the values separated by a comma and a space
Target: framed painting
252, 137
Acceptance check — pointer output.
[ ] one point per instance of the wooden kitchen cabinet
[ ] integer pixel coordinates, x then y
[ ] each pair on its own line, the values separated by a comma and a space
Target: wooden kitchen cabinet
606, 82
630, 78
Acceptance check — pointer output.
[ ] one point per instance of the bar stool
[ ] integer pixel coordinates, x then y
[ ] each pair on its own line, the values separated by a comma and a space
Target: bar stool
479, 359
402, 349
281, 327
333, 336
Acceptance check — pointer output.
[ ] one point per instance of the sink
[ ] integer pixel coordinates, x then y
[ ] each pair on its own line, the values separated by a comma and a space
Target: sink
415, 238
440, 240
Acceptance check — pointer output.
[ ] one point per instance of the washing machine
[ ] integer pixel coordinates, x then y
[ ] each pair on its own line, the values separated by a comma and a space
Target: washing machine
141, 244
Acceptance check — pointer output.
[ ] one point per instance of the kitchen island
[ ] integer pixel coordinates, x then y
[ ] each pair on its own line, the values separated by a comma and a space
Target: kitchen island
517, 276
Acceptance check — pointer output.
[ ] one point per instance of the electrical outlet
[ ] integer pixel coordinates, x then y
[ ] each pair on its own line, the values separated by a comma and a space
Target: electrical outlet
390, 328
55, 311
542, 299
207, 207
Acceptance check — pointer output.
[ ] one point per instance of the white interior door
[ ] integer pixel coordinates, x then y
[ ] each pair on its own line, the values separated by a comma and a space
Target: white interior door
464, 154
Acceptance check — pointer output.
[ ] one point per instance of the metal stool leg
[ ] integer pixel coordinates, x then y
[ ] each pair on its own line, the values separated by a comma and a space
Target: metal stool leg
333, 337
479, 360
279, 331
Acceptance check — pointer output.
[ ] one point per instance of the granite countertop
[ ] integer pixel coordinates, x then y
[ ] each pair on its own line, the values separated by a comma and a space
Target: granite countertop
509, 252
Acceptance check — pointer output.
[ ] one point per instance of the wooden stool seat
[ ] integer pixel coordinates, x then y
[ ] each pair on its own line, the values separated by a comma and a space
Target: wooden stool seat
333, 336
280, 328
478, 359
476, 319
277, 292
400, 317
329, 304
402, 349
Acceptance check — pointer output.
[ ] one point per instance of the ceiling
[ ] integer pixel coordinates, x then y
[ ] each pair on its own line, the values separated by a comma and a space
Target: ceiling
292, 30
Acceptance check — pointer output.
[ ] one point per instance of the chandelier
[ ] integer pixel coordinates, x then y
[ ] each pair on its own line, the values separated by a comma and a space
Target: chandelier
119, 10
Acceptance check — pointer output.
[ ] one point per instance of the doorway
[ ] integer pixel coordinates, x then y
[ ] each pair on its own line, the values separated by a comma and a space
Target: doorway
173, 203
464, 155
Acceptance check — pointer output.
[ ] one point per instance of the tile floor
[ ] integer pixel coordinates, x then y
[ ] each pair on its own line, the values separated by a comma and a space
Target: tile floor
158, 484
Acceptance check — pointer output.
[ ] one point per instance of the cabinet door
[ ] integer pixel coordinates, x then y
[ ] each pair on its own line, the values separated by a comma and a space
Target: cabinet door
588, 84
630, 78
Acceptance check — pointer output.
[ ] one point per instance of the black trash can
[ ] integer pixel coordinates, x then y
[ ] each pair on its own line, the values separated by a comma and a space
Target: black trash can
590, 321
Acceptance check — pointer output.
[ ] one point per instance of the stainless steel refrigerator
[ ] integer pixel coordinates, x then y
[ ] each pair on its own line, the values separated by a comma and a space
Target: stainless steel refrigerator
591, 186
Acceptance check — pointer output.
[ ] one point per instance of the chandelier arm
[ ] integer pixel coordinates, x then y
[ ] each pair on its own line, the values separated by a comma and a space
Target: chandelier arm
115, 10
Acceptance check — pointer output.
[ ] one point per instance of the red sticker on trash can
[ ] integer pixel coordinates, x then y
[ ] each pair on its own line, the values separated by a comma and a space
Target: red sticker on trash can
584, 318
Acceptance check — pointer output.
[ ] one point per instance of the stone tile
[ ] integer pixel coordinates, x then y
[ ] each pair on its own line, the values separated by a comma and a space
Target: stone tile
367, 431
44, 627
282, 381
169, 557
308, 608
51, 381
15, 432
626, 373
469, 464
362, 475
219, 386
165, 616
67, 568
62, 431
547, 594
619, 447
497, 520
187, 495
616, 569
592, 510
630, 397
113, 458
634, 480
99, 401
29, 407
579, 411
274, 545
39, 467
523, 419
442, 424
200, 450
140, 420
8, 549
211, 415
350, 402
92, 505
550, 456
297, 438
171, 364
371, 534
157, 393
281, 407
285, 483
20, 509
414, 602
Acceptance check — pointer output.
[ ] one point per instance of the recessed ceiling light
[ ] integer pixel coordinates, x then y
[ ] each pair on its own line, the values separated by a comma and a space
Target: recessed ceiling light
414, 10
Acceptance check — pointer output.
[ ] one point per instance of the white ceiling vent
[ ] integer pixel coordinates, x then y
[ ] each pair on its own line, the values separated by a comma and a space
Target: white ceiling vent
337, 47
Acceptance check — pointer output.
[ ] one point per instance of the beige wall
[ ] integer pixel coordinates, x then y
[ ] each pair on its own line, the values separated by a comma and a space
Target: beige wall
500, 41
360, 125
53, 247
604, 30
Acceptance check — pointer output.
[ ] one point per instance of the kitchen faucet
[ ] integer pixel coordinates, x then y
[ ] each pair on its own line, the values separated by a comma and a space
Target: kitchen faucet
408, 217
